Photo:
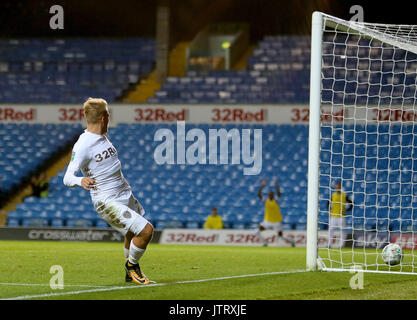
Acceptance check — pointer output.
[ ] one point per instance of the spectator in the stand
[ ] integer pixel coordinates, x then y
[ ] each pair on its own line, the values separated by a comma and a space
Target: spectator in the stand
214, 221
40, 186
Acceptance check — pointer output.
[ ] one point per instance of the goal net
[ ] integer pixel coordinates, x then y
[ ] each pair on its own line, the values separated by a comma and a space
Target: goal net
363, 136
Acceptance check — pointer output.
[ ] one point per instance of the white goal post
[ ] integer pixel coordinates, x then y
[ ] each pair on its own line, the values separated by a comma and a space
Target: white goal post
363, 137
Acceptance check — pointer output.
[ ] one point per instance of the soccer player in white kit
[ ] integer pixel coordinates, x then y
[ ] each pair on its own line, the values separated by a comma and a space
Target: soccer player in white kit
111, 194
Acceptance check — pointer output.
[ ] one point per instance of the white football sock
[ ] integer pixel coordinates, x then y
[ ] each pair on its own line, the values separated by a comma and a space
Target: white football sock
285, 239
126, 252
135, 253
259, 234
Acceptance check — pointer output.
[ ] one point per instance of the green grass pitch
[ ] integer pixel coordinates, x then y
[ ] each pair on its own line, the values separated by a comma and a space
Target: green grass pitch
95, 271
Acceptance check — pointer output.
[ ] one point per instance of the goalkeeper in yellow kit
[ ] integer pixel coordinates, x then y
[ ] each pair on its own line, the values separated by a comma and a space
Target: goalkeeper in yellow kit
337, 210
273, 217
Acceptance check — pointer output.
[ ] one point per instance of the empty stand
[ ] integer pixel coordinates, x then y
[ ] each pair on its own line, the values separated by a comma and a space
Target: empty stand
25, 147
183, 195
277, 72
71, 70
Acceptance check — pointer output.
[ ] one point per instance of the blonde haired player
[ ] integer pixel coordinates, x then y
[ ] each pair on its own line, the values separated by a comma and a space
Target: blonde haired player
337, 211
272, 217
110, 193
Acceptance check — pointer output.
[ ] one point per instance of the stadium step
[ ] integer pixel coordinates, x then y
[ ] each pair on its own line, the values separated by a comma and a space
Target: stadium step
50, 172
146, 88
177, 56
242, 63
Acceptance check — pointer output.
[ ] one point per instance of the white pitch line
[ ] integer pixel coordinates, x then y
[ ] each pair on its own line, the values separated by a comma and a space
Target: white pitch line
368, 271
48, 285
46, 295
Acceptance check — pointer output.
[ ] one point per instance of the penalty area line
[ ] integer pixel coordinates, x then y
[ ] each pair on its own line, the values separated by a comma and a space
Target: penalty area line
105, 289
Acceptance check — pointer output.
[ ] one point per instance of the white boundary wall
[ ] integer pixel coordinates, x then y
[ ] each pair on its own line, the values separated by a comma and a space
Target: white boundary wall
233, 237
248, 114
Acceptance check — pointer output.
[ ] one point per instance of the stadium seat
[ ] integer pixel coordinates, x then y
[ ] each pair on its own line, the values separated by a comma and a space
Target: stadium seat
74, 69
182, 196
38, 135
266, 69
102, 224
34, 222
79, 223
192, 225
57, 223
12, 222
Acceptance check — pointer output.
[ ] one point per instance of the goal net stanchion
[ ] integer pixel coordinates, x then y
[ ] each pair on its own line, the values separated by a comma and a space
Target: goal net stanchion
362, 135
314, 141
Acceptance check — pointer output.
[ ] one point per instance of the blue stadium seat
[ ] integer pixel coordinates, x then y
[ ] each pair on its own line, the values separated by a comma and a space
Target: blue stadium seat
192, 225
182, 196
38, 135
12, 222
34, 222
57, 223
395, 226
102, 224
73, 70
79, 223
238, 225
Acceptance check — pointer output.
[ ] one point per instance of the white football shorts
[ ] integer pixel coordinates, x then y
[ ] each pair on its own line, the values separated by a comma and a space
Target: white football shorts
124, 213
337, 223
276, 226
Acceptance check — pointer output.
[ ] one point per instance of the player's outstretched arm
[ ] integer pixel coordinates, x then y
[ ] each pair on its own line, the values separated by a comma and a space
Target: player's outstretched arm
261, 188
277, 188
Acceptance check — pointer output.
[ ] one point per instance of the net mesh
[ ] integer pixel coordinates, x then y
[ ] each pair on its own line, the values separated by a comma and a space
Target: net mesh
368, 143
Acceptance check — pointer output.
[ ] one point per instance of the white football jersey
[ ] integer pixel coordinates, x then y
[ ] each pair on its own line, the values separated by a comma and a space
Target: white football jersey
97, 158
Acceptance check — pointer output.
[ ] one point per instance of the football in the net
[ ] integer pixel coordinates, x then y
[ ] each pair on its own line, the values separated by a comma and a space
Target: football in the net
392, 254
